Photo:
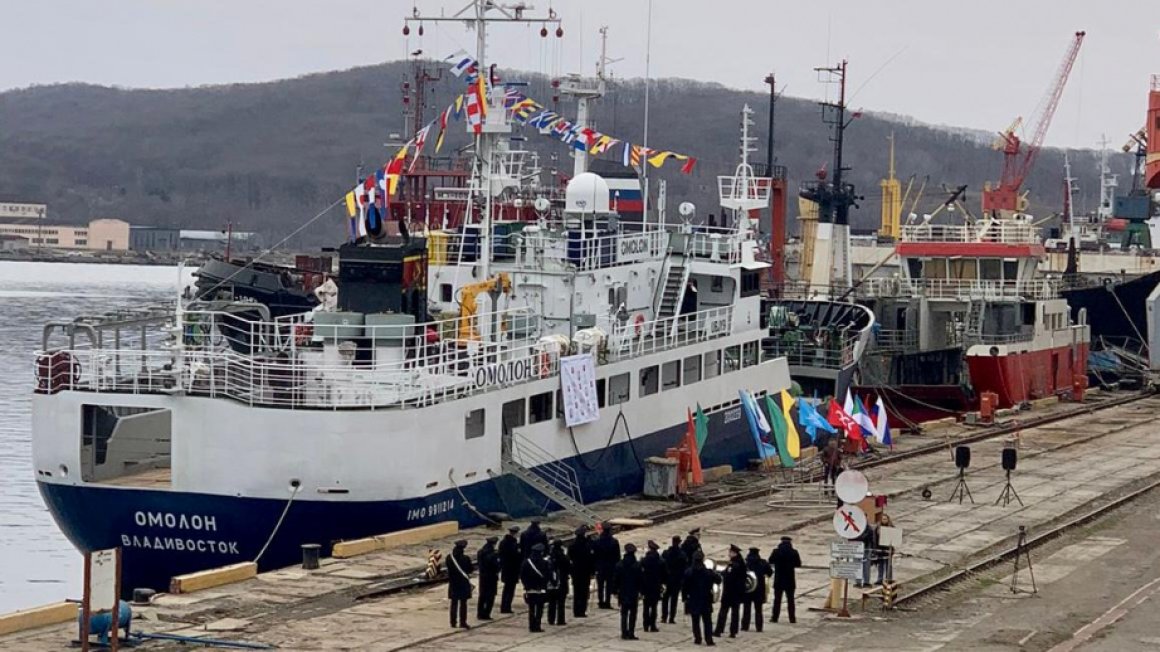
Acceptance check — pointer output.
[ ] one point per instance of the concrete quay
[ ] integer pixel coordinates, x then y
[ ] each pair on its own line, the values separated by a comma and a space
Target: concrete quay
1064, 466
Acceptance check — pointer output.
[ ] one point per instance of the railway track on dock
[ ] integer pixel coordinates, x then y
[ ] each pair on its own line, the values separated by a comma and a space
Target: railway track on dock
1009, 549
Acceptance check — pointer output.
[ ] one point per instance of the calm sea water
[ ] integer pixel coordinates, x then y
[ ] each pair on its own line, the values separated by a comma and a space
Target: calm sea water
37, 564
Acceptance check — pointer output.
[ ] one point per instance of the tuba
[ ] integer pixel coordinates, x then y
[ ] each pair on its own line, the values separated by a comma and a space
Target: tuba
750, 581
718, 569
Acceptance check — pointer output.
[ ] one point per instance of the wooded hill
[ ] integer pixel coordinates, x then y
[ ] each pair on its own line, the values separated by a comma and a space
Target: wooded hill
270, 156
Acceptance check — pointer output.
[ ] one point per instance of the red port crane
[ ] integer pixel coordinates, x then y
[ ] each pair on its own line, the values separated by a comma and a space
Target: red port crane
1017, 159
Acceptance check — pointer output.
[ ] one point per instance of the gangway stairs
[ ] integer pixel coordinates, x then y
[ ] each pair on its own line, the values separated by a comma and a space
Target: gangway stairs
549, 476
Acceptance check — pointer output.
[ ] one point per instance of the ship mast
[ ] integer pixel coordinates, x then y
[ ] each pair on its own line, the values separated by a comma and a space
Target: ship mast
1108, 183
477, 15
586, 90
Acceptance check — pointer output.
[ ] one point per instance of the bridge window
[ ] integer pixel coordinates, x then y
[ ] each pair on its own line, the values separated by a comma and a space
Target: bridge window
600, 383
473, 424
618, 389
712, 362
990, 269
671, 373
649, 380
692, 371
750, 282
540, 407
445, 292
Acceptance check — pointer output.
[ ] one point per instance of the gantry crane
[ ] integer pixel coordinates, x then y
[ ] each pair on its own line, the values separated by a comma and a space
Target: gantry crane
1006, 197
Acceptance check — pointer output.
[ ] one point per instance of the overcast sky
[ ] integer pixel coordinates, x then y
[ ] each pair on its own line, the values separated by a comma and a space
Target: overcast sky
974, 64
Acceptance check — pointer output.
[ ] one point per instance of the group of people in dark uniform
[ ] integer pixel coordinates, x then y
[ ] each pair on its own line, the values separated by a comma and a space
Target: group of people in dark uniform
545, 568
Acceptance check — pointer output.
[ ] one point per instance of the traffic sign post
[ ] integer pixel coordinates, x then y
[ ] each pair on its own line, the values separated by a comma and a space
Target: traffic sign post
850, 521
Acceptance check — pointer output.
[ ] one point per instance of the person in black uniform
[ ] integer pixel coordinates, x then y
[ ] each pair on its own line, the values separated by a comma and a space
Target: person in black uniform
732, 593
510, 560
531, 537
697, 592
580, 557
627, 578
784, 560
558, 589
459, 569
652, 580
676, 563
692, 543
755, 600
488, 561
534, 574
607, 550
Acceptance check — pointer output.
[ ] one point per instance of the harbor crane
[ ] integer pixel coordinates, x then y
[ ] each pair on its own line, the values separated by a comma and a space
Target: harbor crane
1019, 157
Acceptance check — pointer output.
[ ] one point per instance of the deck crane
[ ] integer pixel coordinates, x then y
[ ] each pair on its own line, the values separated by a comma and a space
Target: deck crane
1007, 198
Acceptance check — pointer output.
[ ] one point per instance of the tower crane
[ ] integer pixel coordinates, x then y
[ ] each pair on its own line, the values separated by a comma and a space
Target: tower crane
1006, 198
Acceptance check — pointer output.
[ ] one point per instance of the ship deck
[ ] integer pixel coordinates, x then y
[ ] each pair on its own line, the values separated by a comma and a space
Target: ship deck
150, 479
1067, 465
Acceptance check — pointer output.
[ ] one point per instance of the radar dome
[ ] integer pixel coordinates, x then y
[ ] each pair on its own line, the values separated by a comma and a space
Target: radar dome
587, 194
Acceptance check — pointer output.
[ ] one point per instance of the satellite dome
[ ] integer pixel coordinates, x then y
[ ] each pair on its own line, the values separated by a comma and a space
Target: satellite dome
587, 194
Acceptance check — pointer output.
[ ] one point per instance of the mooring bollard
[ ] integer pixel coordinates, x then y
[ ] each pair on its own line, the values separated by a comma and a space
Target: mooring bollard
310, 554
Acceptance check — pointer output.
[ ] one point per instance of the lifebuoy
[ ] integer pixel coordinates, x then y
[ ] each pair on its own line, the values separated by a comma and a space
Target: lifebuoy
56, 371
638, 323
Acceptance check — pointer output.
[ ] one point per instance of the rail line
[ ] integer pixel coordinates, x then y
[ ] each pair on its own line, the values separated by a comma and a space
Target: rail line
1031, 542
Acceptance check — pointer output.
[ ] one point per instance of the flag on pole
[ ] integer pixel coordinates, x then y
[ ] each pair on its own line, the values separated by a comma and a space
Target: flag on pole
702, 423
862, 417
474, 113
883, 423
812, 421
351, 205
690, 163
848, 404
792, 439
395, 170
458, 113
694, 454
777, 421
480, 90
839, 418
758, 426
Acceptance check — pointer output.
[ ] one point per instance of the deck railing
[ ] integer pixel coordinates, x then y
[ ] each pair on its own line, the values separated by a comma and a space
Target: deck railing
992, 232
294, 363
962, 289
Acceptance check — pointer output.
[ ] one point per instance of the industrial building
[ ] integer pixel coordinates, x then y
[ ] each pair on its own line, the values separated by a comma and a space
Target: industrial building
100, 235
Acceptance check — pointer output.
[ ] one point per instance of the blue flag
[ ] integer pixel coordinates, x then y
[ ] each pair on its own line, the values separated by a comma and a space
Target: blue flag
811, 420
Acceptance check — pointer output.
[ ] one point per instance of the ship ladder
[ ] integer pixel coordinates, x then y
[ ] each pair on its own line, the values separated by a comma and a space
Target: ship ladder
550, 477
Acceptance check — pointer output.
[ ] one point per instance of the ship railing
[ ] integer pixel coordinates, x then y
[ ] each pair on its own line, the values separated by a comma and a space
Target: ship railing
990, 231
571, 250
713, 243
960, 289
820, 351
332, 366
895, 340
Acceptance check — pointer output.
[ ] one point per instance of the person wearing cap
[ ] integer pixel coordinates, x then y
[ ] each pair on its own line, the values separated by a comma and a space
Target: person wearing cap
534, 574
558, 585
459, 570
532, 536
510, 561
755, 599
652, 580
607, 550
692, 543
489, 567
785, 560
697, 593
628, 580
676, 563
732, 593
582, 565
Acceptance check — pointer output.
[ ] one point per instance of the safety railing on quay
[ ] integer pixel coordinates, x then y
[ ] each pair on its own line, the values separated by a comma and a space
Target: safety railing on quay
293, 363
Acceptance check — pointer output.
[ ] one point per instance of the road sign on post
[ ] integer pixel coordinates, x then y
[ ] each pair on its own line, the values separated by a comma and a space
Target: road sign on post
847, 549
846, 570
849, 521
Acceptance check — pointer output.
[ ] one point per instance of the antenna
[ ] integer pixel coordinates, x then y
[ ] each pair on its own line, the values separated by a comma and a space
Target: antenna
1108, 182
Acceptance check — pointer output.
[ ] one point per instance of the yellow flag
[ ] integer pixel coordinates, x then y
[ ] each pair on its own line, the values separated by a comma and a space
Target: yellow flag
793, 442
351, 206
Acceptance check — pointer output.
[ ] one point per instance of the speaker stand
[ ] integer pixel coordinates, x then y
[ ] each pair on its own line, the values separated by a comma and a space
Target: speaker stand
1009, 493
1022, 552
961, 489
